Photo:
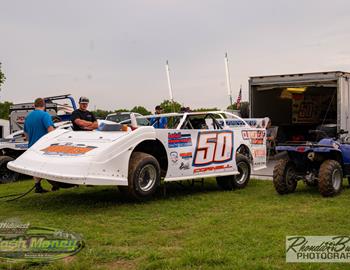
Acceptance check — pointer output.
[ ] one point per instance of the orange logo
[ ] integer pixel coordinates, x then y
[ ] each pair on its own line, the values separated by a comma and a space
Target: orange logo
67, 150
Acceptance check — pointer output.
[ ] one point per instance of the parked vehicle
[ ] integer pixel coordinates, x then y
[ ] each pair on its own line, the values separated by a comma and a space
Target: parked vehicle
322, 164
125, 118
60, 107
195, 145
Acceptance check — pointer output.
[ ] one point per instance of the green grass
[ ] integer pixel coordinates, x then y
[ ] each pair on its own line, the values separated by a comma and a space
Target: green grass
188, 229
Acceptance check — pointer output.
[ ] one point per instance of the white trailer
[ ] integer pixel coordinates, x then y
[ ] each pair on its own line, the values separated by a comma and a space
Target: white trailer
297, 103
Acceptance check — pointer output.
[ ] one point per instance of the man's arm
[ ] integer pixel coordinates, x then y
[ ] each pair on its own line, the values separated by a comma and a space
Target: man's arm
82, 123
86, 124
47, 120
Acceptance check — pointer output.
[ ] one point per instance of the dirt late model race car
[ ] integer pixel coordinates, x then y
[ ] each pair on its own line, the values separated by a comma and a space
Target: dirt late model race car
194, 145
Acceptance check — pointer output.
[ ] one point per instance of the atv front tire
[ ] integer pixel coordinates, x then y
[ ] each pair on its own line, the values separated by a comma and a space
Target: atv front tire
143, 176
330, 178
284, 177
240, 180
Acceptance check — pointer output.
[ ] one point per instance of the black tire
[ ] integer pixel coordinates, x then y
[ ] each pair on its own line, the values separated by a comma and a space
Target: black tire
236, 181
6, 175
330, 178
284, 179
143, 176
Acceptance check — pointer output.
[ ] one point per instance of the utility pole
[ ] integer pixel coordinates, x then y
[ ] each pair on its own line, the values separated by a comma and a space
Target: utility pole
228, 82
169, 84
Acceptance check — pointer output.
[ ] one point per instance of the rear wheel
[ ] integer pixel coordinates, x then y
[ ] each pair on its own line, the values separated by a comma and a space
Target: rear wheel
284, 177
6, 175
236, 181
143, 177
330, 178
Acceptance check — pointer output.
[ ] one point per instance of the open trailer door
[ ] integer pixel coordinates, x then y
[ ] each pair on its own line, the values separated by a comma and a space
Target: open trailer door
298, 103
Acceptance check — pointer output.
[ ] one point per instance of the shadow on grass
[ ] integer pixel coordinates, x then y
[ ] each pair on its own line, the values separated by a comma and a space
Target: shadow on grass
78, 198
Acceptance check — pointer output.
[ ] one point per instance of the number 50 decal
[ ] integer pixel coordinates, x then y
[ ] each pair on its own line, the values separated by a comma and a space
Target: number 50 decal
213, 147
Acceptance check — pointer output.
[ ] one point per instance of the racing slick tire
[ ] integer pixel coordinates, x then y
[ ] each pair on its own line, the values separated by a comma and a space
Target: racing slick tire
236, 181
143, 176
284, 179
330, 178
6, 175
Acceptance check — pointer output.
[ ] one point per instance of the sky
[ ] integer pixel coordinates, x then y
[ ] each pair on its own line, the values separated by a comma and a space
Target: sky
114, 51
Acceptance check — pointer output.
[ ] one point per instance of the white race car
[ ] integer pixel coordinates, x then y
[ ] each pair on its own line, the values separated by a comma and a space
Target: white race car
194, 145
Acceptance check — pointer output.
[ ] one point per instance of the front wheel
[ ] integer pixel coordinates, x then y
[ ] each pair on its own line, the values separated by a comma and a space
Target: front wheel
6, 175
330, 178
236, 181
284, 177
143, 177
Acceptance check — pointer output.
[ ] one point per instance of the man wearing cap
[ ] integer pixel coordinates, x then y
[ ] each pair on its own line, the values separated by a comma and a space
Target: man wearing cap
37, 124
159, 122
83, 119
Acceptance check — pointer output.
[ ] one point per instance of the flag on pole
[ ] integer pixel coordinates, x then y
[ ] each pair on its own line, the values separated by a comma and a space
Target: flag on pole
238, 102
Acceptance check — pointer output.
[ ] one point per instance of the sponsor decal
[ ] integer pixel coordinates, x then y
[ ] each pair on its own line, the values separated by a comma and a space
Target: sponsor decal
187, 155
212, 168
318, 249
254, 136
184, 166
67, 149
174, 157
177, 139
213, 147
259, 163
27, 243
259, 153
21, 145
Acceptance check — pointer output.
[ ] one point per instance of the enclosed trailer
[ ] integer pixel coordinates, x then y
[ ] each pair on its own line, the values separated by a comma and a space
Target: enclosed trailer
297, 103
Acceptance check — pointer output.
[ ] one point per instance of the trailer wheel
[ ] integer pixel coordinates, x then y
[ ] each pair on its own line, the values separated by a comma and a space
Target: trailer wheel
6, 175
284, 177
330, 178
236, 181
143, 177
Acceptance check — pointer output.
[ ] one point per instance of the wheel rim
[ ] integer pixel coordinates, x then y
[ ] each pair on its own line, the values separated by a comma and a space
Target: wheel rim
290, 177
147, 177
243, 172
336, 179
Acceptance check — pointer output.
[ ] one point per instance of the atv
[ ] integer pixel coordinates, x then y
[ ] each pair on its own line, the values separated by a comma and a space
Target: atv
322, 164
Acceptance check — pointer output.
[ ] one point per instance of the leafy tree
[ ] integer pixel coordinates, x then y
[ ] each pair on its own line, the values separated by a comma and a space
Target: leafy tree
101, 113
232, 107
141, 110
5, 109
243, 108
121, 110
169, 106
2, 77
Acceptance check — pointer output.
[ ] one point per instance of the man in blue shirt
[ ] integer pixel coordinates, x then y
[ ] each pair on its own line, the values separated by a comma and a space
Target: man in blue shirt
159, 122
37, 124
